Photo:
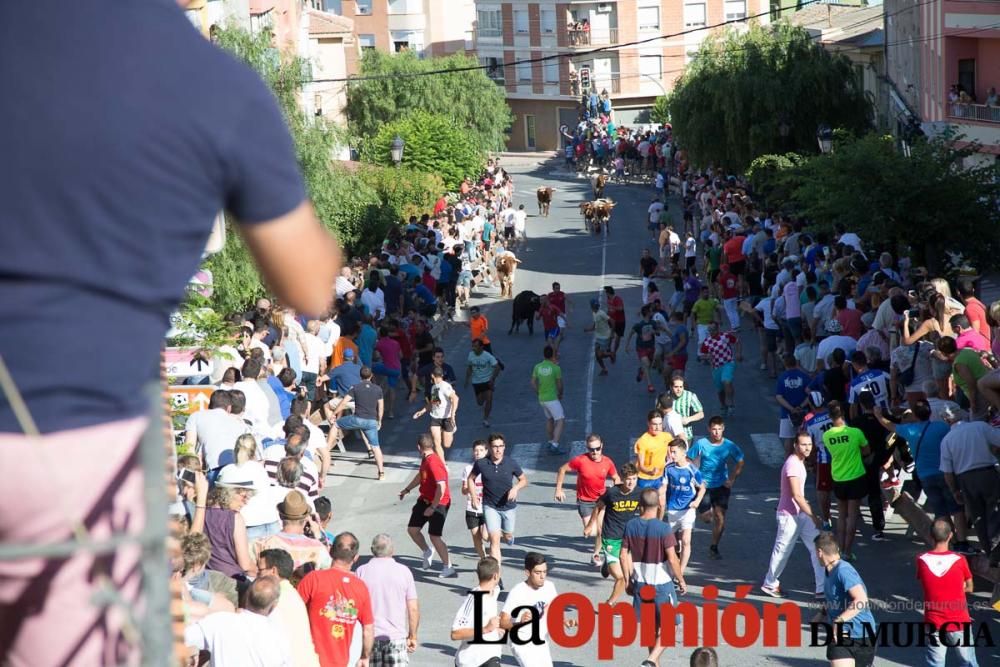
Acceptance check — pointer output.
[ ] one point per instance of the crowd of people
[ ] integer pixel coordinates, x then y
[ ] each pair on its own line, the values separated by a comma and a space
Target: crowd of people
881, 377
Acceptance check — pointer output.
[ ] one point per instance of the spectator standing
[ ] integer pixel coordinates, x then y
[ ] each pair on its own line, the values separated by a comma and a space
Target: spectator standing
394, 603
298, 537
369, 406
213, 432
792, 394
946, 579
290, 612
337, 600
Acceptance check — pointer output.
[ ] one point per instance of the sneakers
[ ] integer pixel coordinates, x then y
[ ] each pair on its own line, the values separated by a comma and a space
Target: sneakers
428, 558
605, 570
554, 448
879, 536
446, 572
774, 592
509, 541
713, 552
638, 375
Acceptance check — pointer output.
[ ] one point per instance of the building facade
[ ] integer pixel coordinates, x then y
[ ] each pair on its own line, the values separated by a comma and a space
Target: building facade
427, 27
942, 61
560, 37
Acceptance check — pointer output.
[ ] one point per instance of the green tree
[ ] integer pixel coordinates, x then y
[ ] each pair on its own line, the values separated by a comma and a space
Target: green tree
434, 144
741, 87
469, 99
661, 110
770, 178
927, 201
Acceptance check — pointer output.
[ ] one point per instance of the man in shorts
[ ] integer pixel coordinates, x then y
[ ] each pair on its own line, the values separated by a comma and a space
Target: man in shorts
685, 489
482, 370
551, 317
474, 519
442, 404
616, 311
612, 511
713, 454
651, 451
431, 507
848, 447
645, 346
723, 351
592, 469
546, 380
686, 404
502, 479
816, 423
603, 333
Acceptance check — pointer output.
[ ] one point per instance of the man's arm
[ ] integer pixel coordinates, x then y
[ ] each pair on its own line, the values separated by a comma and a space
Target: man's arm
858, 603
559, 388
625, 558
737, 471
470, 484
675, 565
367, 644
799, 498
413, 622
596, 519
560, 477
379, 411
298, 258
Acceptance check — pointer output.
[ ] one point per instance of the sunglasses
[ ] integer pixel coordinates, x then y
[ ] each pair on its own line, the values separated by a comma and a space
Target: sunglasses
594, 450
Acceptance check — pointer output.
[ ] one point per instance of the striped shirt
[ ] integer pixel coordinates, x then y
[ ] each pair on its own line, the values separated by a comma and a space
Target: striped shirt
686, 405
308, 484
648, 541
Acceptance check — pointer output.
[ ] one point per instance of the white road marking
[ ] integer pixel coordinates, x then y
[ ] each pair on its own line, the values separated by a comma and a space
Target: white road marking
588, 407
770, 451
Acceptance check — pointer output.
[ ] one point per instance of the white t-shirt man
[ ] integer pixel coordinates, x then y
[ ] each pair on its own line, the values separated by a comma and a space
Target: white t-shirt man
442, 398
240, 639
674, 424
474, 655
654, 212
523, 595
257, 408
478, 509
831, 343
314, 351
215, 432
520, 220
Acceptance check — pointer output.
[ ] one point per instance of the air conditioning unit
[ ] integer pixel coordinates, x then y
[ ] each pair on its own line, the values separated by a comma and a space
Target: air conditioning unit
604, 8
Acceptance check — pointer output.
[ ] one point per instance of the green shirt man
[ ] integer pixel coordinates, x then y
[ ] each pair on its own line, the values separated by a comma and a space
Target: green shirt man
844, 444
546, 378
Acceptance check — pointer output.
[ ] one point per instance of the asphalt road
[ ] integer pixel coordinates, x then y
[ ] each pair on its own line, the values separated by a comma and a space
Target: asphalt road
613, 406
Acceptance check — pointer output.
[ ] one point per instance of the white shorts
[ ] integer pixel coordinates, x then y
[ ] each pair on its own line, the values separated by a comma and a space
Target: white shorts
681, 519
553, 410
785, 428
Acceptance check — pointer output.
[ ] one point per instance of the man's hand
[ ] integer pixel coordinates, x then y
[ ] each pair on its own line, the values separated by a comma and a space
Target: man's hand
681, 586
200, 487
403, 492
411, 644
512, 494
429, 512
728, 483
362, 662
588, 530
419, 413
492, 626
560, 495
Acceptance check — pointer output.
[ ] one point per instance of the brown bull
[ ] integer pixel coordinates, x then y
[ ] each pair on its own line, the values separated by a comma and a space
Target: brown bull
544, 200
597, 184
587, 211
601, 214
506, 268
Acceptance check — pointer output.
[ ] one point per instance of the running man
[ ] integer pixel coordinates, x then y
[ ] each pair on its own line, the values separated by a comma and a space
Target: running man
546, 381
482, 369
686, 404
603, 335
651, 451
723, 350
613, 510
685, 489
616, 311
796, 520
442, 404
592, 469
474, 520
550, 317
537, 592
713, 454
431, 507
645, 346
500, 491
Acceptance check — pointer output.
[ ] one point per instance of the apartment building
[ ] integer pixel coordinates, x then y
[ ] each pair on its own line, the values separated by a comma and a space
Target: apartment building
543, 95
428, 27
941, 50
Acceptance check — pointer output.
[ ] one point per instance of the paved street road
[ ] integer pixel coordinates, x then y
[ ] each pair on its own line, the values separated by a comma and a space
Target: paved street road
615, 407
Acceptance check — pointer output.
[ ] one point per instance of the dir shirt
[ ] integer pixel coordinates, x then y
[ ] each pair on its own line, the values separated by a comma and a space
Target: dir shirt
121, 143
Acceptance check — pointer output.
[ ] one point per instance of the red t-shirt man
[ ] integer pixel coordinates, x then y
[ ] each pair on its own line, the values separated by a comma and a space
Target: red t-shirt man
432, 472
734, 250
730, 284
557, 299
335, 601
975, 310
591, 475
943, 574
616, 309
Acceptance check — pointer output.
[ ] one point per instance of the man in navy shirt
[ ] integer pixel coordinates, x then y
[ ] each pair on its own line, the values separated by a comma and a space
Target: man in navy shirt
121, 142
502, 479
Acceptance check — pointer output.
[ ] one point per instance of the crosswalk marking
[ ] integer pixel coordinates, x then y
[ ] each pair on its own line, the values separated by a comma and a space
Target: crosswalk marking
770, 451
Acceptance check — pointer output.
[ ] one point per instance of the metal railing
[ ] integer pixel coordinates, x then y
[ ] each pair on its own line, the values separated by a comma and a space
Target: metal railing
577, 36
488, 33
978, 112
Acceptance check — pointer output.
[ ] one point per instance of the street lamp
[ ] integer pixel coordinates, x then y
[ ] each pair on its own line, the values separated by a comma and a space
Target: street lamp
824, 136
397, 149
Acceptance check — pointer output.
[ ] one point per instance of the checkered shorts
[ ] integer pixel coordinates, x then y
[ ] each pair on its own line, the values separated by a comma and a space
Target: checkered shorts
389, 653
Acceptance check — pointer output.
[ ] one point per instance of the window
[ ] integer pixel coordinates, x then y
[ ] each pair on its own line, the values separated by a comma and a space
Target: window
364, 7
548, 21
521, 21
494, 68
735, 9
551, 70
649, 18
523, 72
488, 23
650, 66
694, 15
529, 131
366, 41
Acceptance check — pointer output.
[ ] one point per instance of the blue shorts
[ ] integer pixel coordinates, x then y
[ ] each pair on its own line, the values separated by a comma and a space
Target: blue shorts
650, 483
391, 375
723, 374
552, 334
665, 593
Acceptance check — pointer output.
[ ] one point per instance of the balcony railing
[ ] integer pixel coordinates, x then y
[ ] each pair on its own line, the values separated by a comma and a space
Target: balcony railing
978, 112
598, 84
578, 36
488, 33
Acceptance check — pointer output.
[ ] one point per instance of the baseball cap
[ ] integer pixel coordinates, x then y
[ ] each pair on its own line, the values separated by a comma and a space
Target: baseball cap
595, 304
348, 353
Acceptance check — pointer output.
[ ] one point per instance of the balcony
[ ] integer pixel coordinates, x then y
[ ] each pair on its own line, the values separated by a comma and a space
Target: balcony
575, 35
488, 34
975, 112
598, 84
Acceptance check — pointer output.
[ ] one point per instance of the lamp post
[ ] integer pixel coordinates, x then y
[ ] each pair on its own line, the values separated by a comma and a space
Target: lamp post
397, 150
824, 136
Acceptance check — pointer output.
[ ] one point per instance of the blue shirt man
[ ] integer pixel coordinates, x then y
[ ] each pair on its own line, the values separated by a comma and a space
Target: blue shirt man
714, 458
792, 387
683, 481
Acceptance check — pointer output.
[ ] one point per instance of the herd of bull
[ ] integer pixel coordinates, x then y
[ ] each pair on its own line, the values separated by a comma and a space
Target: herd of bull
596, 213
